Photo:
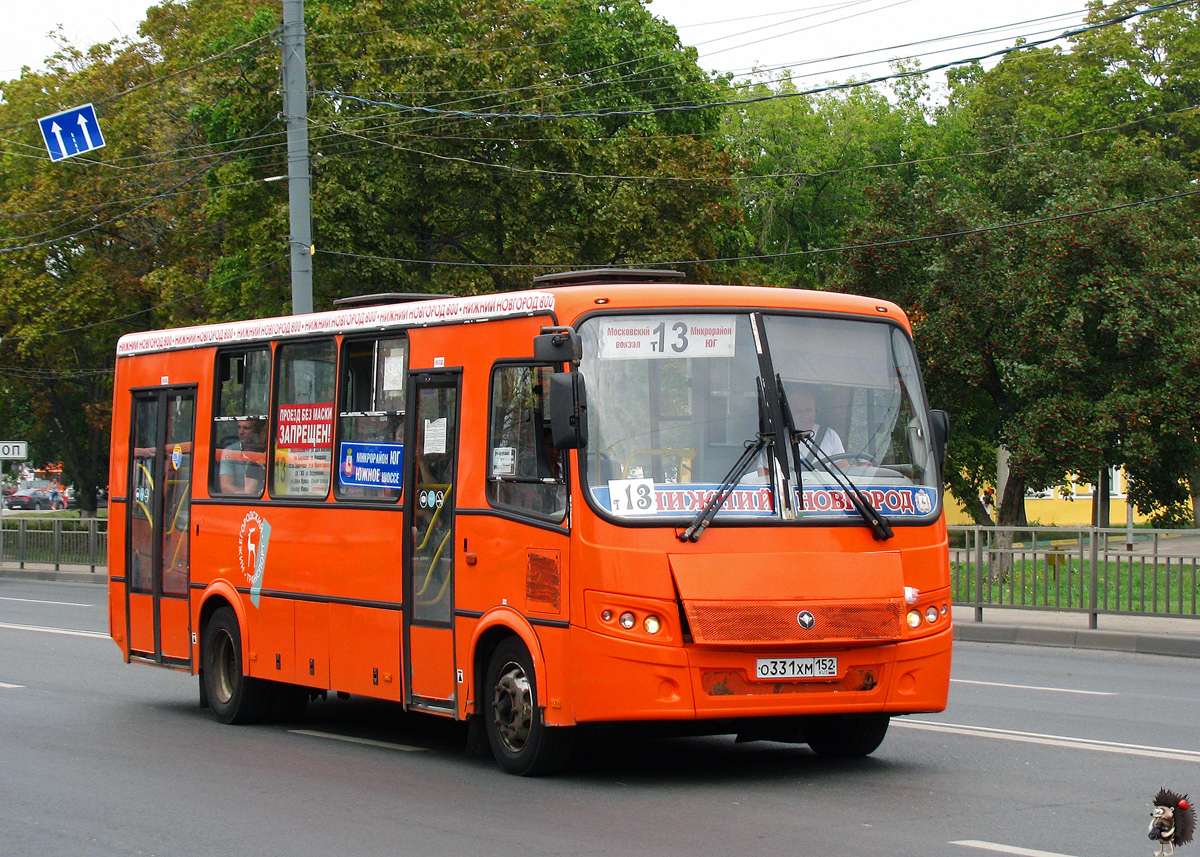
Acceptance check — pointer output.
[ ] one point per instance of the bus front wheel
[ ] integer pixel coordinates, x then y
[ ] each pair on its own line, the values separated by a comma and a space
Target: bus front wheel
521, 742
233, 696
845, 736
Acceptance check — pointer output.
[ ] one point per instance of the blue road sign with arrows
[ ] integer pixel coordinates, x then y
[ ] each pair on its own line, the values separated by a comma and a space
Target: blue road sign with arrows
71, 132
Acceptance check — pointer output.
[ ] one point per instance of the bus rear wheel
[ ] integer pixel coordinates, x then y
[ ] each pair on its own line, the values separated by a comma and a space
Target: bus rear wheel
521, 741
233, 696
845, 736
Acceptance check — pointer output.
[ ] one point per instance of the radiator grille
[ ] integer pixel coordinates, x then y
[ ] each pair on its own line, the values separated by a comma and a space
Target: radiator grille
777, 622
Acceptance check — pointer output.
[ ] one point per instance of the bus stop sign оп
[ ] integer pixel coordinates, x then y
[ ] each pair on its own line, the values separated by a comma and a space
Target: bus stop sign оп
71, 132
13, 450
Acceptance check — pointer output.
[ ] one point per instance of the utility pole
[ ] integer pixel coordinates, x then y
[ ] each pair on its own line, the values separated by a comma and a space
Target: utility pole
295, 111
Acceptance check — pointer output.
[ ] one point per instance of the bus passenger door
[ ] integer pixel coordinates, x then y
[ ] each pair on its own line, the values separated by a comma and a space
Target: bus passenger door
157, 558
429, 668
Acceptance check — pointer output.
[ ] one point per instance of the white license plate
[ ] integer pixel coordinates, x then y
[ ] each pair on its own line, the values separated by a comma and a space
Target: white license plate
772, 669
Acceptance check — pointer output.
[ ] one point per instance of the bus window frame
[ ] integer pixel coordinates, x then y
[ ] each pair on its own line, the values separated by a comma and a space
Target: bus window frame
341, 493
558, 518
214, 466
273, 456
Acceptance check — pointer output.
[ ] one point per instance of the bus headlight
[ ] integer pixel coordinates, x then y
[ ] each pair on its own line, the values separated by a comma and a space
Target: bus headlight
931, 615
652, 625
627, 620
914, 619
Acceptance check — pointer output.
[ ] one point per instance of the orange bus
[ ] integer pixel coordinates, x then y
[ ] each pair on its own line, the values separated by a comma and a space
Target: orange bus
613, 498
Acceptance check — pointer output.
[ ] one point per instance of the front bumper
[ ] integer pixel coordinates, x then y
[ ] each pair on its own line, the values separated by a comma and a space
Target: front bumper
617, 680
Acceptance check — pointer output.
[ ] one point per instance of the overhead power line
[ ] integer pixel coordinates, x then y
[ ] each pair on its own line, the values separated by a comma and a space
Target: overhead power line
13, 339
758, 257
776, 96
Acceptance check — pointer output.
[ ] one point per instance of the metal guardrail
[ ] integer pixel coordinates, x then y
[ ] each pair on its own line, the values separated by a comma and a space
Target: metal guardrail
1079, 569
1075, 569
54, 542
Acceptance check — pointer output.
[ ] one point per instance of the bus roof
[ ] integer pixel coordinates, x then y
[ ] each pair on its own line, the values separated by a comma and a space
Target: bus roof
567, 303
416, 314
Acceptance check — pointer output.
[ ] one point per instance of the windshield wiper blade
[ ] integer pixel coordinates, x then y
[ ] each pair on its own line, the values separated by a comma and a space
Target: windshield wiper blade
880, 528
764, 438
717, 500
789, 422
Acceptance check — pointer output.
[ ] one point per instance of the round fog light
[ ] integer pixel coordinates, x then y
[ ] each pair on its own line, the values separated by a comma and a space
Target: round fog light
914, 619
627, 621
652, 625
931, 615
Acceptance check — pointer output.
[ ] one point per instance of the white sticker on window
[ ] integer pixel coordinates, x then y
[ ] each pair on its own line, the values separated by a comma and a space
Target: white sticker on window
435, 436
393, 372
632, 496
655, 337
504, 461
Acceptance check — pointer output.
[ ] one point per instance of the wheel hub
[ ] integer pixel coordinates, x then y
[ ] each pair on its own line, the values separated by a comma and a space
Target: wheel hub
223, 666
513, 707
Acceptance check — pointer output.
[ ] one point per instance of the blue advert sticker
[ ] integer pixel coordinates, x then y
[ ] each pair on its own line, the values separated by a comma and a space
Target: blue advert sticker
371, 465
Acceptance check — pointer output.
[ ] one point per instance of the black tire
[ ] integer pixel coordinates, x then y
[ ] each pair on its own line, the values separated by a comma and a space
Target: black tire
232, 696
521, 742
845, 736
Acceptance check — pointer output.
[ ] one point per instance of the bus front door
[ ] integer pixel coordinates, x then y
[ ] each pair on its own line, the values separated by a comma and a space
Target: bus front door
157, 550
429, 548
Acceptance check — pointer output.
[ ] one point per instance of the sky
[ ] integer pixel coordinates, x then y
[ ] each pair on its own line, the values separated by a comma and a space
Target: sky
813, 38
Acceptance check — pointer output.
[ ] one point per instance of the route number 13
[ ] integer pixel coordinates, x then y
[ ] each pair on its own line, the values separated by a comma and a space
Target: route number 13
632, 496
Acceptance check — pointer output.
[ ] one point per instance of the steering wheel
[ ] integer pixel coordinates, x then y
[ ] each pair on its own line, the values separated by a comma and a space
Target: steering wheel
854, 457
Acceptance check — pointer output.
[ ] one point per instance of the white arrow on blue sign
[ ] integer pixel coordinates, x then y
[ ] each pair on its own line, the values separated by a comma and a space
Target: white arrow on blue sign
71, 132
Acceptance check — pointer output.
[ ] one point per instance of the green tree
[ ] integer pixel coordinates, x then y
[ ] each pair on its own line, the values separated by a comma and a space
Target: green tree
173, 222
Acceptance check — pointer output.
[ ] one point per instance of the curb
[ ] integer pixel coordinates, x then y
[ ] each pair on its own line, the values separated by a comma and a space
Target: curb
60, 575
1110, 641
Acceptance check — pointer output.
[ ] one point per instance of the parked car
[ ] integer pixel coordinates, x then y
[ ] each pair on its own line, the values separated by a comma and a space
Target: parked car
28, 498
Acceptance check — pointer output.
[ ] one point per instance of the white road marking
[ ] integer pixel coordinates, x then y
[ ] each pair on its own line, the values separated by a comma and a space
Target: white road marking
95, 635
39, 601
370, 742
1032, 687
10, 686
1008, 849
1052, 740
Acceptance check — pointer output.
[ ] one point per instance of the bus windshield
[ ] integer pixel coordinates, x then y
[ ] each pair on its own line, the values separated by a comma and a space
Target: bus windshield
674, 400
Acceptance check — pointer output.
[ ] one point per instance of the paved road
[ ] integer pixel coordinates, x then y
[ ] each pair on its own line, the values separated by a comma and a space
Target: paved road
1053, 751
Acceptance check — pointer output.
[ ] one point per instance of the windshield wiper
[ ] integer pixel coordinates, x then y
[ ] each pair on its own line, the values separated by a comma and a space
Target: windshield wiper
880, 528
753, 448
798, 462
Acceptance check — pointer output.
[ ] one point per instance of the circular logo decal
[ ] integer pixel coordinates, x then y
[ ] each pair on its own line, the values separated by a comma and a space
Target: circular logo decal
248, 539
806, 620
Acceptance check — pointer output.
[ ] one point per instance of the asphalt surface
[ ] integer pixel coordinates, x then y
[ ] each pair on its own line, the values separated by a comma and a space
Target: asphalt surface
1148, 635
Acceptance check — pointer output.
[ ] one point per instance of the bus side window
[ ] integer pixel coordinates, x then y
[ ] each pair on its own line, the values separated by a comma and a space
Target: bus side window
525, 470
240, 424
370, 440
302, 445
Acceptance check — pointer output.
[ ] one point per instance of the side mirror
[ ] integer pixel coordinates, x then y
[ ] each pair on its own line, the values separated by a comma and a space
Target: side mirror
939, 423
557, 345
568, 410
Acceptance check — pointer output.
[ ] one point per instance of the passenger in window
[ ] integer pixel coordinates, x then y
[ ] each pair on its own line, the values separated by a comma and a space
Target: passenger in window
243, 462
